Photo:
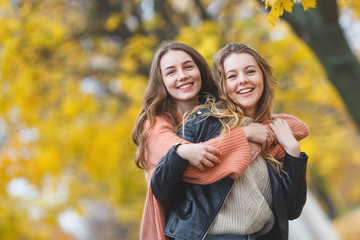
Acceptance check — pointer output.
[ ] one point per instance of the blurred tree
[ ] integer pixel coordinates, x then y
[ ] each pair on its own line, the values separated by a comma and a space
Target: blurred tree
320, 29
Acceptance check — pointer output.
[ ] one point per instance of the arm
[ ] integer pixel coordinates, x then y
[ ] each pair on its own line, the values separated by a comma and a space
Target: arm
233, 147
294, 184
235, 157
167, 180
294, 178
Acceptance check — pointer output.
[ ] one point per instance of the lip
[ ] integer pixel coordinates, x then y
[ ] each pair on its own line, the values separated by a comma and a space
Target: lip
246, 91
186, 86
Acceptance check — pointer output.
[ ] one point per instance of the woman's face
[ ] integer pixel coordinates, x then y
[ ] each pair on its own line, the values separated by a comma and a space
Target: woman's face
244, 81
182, 78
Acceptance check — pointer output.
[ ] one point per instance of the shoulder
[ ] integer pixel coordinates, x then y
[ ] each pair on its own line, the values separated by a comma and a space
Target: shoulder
298, 127
202, 122
289, 118
285, 116
161, 121
200, 117
200, 113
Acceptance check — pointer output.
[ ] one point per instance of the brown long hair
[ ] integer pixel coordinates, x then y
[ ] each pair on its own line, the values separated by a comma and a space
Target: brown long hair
157, 101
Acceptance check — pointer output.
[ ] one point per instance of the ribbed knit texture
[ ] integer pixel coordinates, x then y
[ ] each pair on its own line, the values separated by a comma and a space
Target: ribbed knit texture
234, 161
247, 209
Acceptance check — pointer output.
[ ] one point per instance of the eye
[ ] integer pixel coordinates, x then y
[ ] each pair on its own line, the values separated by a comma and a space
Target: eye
189, 66
168, 73
231, 77
251, 71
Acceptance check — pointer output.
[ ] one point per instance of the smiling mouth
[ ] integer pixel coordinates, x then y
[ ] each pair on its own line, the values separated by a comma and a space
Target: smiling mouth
246, 91
185, 86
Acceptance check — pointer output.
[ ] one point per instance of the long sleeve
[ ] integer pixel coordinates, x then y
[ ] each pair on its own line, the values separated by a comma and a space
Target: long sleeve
234, 148
169, 176
294, 184
160, 138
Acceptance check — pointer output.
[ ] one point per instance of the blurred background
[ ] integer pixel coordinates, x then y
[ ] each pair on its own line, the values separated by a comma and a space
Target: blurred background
72, 75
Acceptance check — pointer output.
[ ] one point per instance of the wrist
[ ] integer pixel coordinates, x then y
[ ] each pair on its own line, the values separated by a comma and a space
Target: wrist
293, 149
246, 132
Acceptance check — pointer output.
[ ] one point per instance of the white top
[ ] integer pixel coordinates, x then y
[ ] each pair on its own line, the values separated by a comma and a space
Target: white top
247, 209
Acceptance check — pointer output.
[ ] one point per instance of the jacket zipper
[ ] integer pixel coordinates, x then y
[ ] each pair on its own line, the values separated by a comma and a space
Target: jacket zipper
218, 211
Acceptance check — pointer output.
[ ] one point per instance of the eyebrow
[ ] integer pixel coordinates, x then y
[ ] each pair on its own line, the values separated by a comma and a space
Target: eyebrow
187, 61
251, 65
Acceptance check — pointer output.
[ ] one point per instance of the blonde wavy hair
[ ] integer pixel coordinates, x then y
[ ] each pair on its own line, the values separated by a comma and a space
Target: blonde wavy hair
156, 99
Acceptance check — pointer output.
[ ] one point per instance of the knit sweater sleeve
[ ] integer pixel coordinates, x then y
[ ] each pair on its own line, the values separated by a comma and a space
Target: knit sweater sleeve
234, 148
159, 139
298, 128
235, 158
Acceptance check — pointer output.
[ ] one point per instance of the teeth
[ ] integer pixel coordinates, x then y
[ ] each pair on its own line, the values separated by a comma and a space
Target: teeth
246, 90
185, 86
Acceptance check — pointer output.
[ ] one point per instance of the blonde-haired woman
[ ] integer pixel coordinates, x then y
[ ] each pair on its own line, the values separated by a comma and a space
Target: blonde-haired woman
259, 203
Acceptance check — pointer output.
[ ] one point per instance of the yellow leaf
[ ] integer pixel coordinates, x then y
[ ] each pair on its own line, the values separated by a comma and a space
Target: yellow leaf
112, 22
277, 9
308, 4
288, 4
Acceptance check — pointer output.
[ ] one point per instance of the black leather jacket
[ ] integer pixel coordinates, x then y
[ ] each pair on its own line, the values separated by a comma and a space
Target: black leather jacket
194, 207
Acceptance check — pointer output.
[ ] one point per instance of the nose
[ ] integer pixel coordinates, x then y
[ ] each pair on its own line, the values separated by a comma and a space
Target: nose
182, 75
242, 78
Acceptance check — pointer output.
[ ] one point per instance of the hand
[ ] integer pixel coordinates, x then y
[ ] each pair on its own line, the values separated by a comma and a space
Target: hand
199, 155
255, 150
285, 136
259, 133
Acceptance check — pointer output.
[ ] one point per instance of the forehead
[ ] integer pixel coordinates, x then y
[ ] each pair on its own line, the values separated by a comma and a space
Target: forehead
173, 58
239, 61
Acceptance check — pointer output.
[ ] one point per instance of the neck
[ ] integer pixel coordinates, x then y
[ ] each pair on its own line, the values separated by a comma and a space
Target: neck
249, 113
182, 107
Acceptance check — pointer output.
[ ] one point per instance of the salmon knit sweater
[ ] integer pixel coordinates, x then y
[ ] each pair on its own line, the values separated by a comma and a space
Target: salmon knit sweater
235, 158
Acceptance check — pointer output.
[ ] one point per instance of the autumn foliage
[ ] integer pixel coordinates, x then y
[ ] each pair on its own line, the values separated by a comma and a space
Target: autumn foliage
72, 75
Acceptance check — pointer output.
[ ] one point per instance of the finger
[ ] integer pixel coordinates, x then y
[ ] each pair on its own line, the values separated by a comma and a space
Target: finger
263, 146
200, 167
252, 156
207, 163
273, 127
212, 158
213, 150
257, 154
272, 136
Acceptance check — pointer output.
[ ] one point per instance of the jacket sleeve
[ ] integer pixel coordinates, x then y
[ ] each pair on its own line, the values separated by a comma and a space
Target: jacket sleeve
294, 184
166, 181
298, 128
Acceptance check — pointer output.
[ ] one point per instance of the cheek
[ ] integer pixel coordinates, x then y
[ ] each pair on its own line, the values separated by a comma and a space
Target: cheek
167, 84
230, 88
197, 76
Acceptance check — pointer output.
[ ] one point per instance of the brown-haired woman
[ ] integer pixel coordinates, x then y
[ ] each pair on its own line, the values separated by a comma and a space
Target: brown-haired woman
179, 76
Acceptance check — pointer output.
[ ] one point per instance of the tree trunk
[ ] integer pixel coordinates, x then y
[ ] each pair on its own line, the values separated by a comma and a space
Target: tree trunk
320, 29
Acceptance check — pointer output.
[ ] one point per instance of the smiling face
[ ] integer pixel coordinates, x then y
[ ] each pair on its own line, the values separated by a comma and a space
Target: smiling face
244, 81
182, 79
